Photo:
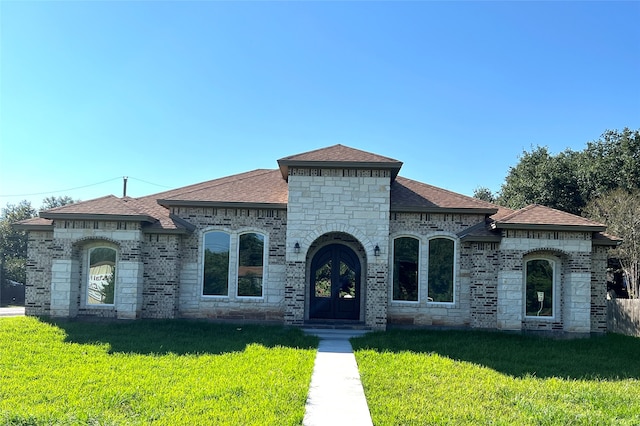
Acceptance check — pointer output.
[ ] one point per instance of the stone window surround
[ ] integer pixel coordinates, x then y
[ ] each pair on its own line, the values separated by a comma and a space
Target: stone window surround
423, 267
556, 264
234, 256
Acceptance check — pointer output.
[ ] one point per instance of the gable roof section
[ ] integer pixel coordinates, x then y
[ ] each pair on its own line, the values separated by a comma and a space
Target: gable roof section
153, 216
258, 188
412, 196
339, 156
99, 209
34, 224
535, 216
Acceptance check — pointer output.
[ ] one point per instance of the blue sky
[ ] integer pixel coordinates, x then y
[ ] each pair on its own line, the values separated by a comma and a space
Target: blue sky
174, 93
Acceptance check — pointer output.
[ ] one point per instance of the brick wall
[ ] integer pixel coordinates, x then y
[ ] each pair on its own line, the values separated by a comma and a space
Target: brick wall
191, 303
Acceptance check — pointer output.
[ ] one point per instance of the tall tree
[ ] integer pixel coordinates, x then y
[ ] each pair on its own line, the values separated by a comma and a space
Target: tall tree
541, 178
53, 202
13, 244
483, 193
620, 211
570, 179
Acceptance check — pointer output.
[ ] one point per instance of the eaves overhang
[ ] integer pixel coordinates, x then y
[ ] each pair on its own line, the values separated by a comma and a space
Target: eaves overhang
394, 167
548, 227
27, 227
222, 204
96, 216
409, 209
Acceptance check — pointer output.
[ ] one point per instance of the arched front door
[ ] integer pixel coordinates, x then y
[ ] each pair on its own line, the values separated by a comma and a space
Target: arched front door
335, 284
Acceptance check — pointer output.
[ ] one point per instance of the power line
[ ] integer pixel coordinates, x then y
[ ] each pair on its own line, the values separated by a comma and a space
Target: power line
62, 190
84, 186
150, 183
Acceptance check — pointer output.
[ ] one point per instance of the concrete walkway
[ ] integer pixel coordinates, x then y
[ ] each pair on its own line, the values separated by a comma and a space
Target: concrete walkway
336, 396
14, 311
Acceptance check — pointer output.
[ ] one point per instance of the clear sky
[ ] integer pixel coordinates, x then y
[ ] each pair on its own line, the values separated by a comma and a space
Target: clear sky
175, 93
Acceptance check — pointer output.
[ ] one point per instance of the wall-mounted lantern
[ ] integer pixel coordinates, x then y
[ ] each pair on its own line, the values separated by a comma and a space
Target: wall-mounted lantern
296, 248
376, 251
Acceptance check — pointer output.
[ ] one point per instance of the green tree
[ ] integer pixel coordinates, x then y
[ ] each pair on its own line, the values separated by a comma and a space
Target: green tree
541, 178
569, 180
620, 211
13, 244
483, 193
53, 202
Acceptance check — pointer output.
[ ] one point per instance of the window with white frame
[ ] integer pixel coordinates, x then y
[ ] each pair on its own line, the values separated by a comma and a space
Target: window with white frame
441, 270
250, 264
216, 264
540, 279
245, 251
101, 276
406, 259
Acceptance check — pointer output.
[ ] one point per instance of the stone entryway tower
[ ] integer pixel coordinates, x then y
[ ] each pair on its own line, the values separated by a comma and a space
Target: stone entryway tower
345, 193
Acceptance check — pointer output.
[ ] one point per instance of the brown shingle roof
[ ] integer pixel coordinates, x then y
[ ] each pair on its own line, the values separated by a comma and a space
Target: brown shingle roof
535, 216
411, 195
33, 224
339, 156
104, 206
258, 187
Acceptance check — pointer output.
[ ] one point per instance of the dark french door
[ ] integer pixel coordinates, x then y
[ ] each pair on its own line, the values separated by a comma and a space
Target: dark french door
335, 284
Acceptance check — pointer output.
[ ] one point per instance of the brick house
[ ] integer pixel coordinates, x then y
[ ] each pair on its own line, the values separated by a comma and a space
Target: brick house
332, 235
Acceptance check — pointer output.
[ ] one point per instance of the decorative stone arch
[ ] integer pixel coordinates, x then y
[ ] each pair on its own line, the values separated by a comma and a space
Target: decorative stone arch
339, 228
321, 244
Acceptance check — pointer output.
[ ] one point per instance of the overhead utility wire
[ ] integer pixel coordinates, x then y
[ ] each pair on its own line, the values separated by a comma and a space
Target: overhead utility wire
61, 190
85, 186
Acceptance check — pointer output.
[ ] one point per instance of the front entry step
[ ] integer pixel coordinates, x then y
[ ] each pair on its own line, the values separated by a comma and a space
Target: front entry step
336, 325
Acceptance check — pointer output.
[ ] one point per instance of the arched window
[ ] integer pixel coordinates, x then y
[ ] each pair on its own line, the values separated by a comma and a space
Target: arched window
250, 264
540, 278
216, 264
101, 283
441, 274
406, 254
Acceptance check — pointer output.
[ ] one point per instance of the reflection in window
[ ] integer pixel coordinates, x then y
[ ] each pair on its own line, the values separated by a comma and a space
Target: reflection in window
405, 268
323, 280
539, 276
347, 282
102, 276
250, 265
440, 283
216, 264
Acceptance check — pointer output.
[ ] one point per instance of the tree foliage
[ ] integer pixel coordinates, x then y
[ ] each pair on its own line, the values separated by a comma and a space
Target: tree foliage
620, 210
569, 180
483, 193
53, 202
13, 244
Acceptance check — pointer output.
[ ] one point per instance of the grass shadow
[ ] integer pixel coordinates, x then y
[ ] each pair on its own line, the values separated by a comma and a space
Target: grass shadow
607, 357
181, 337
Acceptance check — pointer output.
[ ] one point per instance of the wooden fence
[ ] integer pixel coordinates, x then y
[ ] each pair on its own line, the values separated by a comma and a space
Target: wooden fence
623, 316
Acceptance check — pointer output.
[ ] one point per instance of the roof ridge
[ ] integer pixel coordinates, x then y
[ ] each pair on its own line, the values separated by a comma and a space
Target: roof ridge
212, 183
437, 188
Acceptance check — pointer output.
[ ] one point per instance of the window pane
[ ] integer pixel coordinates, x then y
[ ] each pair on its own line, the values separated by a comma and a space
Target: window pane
441, 254
323, 280
250, 265
539, 288
347, 282
216, 264
102, 276
405, 268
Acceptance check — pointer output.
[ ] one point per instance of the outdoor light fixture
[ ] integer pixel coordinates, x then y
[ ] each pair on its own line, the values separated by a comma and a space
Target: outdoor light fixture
376, 251
296, 248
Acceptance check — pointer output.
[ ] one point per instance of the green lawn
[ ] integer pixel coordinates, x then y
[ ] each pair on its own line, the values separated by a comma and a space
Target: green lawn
471, 377
152, 372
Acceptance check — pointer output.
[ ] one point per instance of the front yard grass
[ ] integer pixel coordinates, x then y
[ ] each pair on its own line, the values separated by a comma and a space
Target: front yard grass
422, 377
152, 372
